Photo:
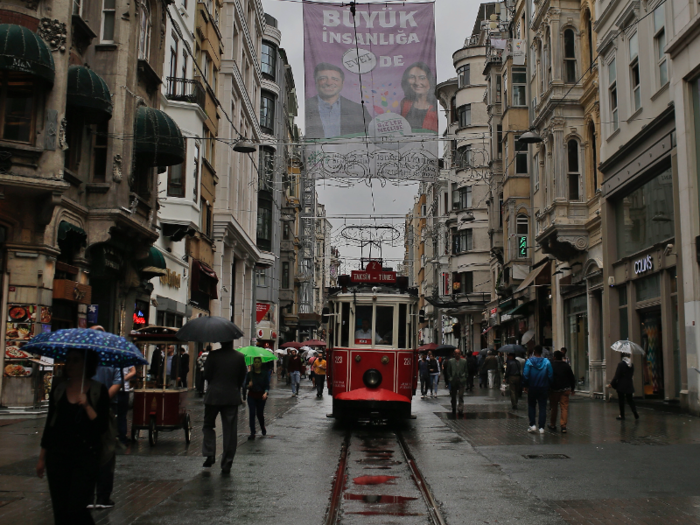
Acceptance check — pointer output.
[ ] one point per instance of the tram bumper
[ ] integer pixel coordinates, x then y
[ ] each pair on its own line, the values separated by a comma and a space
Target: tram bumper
371, 403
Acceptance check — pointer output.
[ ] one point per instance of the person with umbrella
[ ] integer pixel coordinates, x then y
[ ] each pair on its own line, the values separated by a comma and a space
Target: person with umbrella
294, 367
258, 385
623, 381
73, 443
72, 440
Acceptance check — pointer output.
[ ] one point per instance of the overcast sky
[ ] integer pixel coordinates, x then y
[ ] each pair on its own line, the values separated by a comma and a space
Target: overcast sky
454, 20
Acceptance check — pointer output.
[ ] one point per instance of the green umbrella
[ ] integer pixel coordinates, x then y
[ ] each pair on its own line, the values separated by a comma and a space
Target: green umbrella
251, 352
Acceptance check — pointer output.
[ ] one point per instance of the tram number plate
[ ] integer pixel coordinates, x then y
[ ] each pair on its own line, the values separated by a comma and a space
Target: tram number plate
338, 359
406, 361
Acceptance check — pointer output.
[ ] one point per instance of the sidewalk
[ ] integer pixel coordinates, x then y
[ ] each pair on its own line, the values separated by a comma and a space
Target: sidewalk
145, 476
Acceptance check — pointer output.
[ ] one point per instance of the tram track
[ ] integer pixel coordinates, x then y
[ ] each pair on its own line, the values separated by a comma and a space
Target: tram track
378, 481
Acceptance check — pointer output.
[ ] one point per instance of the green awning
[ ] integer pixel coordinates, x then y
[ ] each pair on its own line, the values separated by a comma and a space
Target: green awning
153, 264
89, 92
24, 51
66, 229
521, 310
506, 304
158, 140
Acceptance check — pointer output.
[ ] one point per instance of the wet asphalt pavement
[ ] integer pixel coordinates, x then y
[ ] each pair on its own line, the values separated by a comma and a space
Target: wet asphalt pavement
483, 468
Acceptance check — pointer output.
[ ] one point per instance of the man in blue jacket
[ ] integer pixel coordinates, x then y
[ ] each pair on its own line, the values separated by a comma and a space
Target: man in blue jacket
537, 377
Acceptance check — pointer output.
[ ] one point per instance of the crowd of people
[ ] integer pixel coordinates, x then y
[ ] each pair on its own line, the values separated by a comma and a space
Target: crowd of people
545, 377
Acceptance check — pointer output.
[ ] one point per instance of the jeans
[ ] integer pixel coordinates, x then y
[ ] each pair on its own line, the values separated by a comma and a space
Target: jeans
295, 379
555, 399
425, 384
122, 411
535, 397
434, 378
320, 382
256, 407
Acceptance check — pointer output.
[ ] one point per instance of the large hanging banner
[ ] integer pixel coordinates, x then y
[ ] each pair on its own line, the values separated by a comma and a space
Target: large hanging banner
370, 79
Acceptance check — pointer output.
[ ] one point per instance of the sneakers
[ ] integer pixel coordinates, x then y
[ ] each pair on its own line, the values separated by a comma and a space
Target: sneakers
532, 429
105, 504
422, 397
542, 431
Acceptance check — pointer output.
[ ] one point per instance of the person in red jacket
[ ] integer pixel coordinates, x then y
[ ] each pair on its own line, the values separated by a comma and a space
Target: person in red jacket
419, 105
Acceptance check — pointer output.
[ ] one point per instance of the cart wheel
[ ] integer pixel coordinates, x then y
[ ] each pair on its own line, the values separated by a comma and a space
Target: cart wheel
187, 425
152, 433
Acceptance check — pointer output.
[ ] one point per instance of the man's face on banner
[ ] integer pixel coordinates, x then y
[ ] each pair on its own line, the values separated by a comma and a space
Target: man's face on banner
329, 84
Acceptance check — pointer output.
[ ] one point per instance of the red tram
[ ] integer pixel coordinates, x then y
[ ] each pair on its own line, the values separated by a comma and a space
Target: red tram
372, 356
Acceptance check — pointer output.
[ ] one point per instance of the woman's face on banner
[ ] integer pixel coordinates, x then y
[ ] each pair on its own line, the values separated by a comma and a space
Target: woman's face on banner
418, 80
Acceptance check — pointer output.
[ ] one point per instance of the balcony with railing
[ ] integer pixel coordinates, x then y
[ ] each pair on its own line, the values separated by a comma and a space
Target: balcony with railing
186, 90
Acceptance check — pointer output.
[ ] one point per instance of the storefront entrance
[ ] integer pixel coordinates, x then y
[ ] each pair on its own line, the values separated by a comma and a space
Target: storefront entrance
653, 373
577, 340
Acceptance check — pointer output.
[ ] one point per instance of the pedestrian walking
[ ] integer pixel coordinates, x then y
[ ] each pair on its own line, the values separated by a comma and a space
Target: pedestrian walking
623, 382
483, 373
424, 375
443, 366
472, 370
536, 379
312, 375
565, 359
563, 386
491, 367
434, 370
111, 377
199, 372
224, 372
514, 379
320, 374
294, 366
71, 444
456, 377
123, 402
258, 384
183, 368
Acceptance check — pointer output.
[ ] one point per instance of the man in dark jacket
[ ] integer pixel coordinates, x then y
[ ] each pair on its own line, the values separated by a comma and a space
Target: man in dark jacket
294, 366
224, 371
491, 367
537, 377
424, 375
563, 386
183, 368
513, 378
456, 376
472, 370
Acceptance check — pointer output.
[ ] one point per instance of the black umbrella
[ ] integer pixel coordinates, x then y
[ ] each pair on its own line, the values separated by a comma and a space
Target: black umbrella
512, 349
207, 329
445, 348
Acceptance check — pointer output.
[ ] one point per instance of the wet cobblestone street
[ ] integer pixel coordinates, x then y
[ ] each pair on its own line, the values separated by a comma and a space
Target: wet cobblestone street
482, 468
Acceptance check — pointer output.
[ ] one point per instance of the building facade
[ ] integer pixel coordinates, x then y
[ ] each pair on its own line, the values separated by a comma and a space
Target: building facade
82, 141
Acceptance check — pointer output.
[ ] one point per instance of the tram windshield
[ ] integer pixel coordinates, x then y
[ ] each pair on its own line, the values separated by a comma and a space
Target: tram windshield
383, 328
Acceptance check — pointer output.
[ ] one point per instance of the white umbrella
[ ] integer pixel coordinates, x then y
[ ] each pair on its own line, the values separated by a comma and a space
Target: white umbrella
527, 337
625, 346
281, 351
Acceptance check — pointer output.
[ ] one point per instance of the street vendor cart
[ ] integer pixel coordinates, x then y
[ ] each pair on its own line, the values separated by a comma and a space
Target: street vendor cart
158, 405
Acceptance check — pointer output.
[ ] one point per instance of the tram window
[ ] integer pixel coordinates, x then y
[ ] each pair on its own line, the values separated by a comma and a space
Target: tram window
385, 325
402, 326
345, 330
363, 325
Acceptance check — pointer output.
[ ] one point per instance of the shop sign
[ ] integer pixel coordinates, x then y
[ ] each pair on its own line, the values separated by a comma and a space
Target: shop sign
645, 264
261, 310
494, 311
171, 279
506, 317
92, 312
139, 318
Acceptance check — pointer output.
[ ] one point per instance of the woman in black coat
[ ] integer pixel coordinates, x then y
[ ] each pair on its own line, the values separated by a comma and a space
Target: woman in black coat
623, 382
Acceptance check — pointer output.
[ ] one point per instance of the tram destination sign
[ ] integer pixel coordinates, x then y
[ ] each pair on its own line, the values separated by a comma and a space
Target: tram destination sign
373, 273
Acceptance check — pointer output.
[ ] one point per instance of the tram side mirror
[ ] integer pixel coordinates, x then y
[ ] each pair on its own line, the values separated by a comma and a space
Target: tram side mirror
325, 314
421, 316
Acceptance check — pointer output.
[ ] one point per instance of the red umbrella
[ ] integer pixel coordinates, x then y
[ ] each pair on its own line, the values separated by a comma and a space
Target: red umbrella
430, 347
292, 344
315, 342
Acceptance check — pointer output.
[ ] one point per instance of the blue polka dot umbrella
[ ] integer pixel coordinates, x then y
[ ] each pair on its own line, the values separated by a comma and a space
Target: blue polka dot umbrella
112, 349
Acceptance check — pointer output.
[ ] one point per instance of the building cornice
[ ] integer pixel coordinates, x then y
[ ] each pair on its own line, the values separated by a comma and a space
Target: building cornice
684, 37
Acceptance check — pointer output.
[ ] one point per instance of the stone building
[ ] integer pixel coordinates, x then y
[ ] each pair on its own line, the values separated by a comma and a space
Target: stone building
640, 209
235, 211
683, 51
80, 144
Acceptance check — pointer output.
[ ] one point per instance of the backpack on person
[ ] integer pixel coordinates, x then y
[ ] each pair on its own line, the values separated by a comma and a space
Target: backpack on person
109, 437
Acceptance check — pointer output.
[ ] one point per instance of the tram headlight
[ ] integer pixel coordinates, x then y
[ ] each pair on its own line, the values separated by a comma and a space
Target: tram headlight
372, 378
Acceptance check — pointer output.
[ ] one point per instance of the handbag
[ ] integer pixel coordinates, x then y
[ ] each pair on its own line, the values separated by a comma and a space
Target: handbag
504, 389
